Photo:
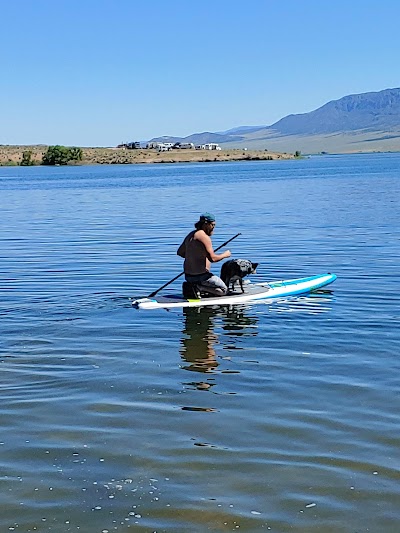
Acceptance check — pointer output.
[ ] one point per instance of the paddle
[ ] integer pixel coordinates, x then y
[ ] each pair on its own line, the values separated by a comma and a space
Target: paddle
181, 274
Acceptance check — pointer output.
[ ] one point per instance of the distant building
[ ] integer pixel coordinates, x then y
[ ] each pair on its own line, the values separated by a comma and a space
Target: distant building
161, 147
135, 145
165, 147
154, 144
184, 146
211, 146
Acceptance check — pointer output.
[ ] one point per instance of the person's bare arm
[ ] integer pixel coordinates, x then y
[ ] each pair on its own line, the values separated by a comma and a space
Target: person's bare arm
212, 256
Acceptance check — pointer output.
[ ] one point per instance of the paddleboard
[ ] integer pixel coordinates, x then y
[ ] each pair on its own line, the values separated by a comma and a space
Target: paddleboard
252, 292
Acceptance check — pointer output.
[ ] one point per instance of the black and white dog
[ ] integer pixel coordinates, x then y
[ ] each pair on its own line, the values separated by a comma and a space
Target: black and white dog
235, 270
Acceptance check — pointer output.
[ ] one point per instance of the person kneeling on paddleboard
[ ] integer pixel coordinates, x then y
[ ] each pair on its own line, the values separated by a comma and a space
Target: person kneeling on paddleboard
198, 252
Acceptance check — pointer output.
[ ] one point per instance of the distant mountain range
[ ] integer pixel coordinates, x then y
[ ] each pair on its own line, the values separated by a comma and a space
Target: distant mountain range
359, 122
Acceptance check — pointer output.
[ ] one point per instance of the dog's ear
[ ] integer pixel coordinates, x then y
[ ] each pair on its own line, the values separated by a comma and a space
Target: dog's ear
254, 266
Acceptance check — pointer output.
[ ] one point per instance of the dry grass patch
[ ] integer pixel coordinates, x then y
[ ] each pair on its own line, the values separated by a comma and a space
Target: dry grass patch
12, 155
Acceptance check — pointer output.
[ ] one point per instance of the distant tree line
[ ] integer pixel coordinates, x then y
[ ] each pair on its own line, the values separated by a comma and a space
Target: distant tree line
55, 155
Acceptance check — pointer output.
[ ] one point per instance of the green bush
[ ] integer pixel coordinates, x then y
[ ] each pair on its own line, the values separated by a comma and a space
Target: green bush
27, 160
61, 155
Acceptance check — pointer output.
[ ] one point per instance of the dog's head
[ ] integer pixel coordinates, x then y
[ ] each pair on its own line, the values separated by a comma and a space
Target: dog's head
253, 268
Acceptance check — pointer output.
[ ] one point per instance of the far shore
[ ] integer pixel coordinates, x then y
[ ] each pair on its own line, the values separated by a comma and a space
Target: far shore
12, 155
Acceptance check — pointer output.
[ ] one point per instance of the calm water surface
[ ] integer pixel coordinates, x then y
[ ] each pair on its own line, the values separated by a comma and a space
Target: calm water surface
280, 417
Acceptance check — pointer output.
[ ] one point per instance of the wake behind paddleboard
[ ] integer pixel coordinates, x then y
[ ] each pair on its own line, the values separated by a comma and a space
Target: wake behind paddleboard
252, 292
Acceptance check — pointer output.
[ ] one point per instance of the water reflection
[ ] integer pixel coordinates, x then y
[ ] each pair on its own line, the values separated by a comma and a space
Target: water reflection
238, 322
199, 337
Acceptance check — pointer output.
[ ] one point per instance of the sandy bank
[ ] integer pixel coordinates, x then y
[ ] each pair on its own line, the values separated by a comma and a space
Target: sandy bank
12, 155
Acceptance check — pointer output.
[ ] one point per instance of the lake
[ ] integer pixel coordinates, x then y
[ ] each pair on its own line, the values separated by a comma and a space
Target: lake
264, 417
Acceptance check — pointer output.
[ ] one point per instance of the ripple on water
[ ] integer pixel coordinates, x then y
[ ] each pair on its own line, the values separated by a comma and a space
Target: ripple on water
279, 415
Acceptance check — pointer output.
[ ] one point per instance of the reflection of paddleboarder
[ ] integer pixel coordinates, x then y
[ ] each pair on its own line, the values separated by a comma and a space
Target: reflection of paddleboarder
198, 339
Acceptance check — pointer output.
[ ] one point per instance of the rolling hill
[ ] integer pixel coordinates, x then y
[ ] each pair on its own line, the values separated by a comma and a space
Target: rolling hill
360, 122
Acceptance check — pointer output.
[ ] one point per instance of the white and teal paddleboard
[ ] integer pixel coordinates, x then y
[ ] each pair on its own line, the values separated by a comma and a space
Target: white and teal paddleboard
253, 292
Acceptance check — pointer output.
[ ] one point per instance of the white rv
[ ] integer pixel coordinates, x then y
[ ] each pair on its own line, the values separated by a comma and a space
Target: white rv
211, 146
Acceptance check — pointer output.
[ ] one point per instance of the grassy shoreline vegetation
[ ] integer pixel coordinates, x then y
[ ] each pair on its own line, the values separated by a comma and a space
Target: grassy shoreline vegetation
33, 155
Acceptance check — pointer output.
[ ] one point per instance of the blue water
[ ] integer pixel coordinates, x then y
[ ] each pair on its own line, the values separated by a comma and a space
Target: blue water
279, 417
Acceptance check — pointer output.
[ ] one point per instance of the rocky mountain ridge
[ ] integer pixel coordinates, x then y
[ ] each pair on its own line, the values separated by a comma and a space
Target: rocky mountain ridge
371, 116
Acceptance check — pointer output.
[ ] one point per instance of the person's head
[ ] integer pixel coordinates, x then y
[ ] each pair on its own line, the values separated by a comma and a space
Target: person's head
206, 223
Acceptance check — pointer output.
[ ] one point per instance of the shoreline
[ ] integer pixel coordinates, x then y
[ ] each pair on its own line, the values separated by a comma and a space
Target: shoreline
12, 155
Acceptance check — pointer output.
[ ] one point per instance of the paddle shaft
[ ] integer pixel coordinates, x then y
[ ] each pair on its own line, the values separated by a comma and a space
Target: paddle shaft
181, 274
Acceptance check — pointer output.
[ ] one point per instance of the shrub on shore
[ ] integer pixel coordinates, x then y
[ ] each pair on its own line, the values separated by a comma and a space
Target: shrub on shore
61, 155
27, 160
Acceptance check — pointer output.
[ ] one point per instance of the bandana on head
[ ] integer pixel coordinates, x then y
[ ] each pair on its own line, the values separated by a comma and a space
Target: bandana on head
208, 217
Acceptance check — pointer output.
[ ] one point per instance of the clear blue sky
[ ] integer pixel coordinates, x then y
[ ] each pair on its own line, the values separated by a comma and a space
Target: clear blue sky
95, 73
